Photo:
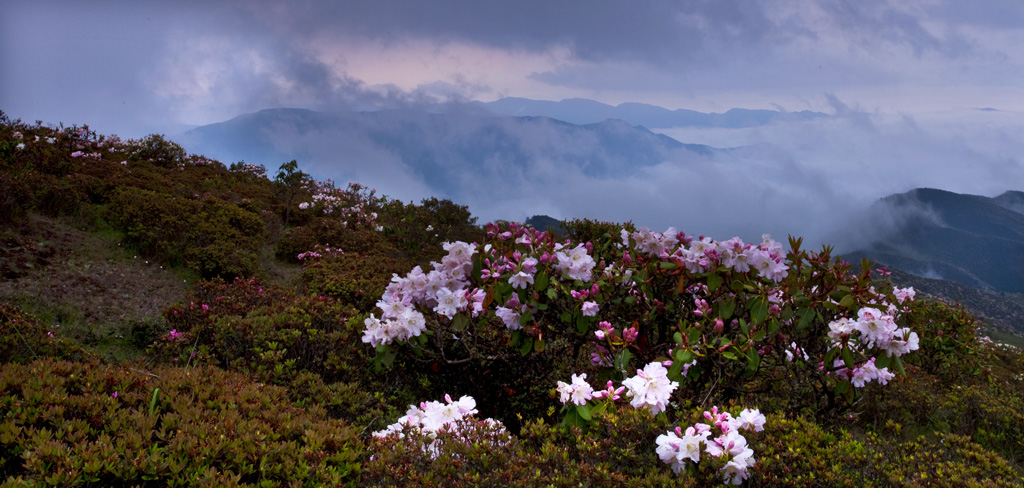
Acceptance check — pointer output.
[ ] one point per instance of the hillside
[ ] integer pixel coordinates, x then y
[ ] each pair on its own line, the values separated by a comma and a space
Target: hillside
169, 320
973, 240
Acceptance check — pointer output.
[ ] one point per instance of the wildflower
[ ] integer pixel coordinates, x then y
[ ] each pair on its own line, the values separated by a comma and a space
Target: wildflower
650, 388
579, 391
589, 309
521, 280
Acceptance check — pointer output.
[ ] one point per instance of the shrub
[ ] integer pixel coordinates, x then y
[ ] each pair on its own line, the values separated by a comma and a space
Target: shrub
15, 198
23, 339
159, 151
741, 317
307, 344
355, 279
212, 237
74, 424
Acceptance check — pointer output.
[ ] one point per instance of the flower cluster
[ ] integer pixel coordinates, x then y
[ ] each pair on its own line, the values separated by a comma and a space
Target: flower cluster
876, 330
704, 253
445, 290
319, 252
650, 388
353, 205
433, 417
579, 391
254, 170
678, 446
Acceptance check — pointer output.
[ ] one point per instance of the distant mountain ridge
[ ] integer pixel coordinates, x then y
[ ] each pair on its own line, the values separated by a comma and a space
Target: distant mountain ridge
584, 111
971, 239
439, 148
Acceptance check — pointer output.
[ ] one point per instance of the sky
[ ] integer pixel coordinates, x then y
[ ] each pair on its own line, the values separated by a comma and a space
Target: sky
905, 81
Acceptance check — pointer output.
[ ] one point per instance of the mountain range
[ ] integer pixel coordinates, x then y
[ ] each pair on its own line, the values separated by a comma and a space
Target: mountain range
584, 111
438, 149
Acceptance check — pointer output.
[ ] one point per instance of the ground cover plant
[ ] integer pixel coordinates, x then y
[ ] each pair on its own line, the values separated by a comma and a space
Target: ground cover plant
328, 336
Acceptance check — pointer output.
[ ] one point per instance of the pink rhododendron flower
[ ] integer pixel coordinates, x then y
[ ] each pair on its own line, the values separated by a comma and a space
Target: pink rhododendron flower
650, 388
578, 391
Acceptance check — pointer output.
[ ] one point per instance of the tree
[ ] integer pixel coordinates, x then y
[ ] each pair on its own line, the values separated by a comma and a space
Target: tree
290, 182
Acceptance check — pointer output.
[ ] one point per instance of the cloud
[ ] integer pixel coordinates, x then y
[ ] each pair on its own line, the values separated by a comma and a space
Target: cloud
813, 178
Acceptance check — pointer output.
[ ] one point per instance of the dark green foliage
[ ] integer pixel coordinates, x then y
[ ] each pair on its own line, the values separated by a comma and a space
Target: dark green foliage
212, 237
950, 346
419, 230
83, 424
161, 152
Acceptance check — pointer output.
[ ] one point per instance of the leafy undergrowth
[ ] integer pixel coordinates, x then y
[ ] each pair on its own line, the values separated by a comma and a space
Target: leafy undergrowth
166, 320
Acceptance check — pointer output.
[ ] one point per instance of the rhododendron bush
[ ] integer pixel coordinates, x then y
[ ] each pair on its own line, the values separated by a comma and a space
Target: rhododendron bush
673, 317
725, 316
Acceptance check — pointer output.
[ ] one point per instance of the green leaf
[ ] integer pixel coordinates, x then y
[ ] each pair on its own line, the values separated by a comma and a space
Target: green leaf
726, 309
503, 290
744, 326
460, 322
842, 387
805, 319
478, 264
552, 293
714, 281
622, 360
516, 337
675, 372
846, 302
682, 356
758, 336
526, 318
154, 401
538, 345
572, 418
753, 361
848, 357
830, 357
584, 411
758, 310
693, 335
729, 355
899, 366
582, 323
540, 282
526, 347
883, 361
667, 265
678, 337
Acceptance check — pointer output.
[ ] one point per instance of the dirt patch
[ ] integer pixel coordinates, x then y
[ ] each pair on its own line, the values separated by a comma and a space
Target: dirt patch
72, 278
